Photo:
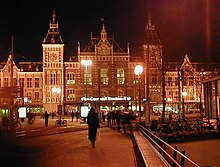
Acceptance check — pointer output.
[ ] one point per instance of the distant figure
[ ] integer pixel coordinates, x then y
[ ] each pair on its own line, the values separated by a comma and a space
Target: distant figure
77, 116
109, 118
103, 116
53, 114
93, 123
127, 117
72, 115
46, 116
30, 117
118, 119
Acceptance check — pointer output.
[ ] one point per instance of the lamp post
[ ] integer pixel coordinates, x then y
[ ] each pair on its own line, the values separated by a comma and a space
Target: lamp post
201, 92
138, 70
57, 90
86, 63
184, 94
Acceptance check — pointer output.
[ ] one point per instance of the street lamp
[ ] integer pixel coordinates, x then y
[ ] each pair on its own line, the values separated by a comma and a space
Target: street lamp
86, 63
57, 90
184, 94
201, 91
138, 70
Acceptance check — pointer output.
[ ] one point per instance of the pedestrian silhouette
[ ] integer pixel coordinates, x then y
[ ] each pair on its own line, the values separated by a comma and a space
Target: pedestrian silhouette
118, 119
46, 116
53, 114
93, 123
72, 115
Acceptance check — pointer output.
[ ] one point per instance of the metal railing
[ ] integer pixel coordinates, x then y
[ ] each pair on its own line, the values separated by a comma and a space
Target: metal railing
174, 157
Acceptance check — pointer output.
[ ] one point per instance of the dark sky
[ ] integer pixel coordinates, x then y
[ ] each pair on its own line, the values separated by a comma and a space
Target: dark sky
181, 25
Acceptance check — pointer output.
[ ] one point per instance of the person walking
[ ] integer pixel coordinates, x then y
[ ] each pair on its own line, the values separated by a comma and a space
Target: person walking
118, 119
72, 115
53, 114
93, 123
46, 116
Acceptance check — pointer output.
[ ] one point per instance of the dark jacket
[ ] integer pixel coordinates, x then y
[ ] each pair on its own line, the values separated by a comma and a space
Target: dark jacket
93, 122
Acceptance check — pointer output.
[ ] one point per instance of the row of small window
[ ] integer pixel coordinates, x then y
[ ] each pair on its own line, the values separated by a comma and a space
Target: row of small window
191, 94
21, 82
109, 58
53, 65
52, 49
185, 83
70, 97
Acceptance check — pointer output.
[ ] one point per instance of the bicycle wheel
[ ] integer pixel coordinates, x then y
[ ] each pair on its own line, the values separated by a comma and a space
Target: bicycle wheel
179, 136
64, 123
17, 126
57, 123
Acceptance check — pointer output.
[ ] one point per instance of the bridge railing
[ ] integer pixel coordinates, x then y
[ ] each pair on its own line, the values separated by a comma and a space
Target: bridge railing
174, 157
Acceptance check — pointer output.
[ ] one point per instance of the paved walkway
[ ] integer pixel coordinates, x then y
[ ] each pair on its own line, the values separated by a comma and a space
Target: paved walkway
112, 149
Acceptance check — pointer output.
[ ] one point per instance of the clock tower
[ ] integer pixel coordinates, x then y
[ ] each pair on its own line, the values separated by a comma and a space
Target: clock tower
53, 68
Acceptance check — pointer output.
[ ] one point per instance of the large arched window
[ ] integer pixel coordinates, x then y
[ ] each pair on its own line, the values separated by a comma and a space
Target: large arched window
104, 93
104, 76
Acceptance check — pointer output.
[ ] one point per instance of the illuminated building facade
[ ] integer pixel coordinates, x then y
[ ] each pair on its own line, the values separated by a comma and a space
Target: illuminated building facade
107, 83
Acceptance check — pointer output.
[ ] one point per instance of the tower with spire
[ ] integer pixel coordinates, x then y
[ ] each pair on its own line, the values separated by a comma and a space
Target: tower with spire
152, 51
53, 69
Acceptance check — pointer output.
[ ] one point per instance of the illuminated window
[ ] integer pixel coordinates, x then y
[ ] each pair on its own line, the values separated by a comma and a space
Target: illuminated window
70, 79
37, 82
120, 75
6, 82
88, 76
21, 82
71, 95
121, 93
104, 93
29, 82
29, 96
36, 96
104, 76
53, 78
170, 81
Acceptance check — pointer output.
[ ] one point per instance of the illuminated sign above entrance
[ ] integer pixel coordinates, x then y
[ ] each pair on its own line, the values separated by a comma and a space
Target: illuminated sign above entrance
105, 98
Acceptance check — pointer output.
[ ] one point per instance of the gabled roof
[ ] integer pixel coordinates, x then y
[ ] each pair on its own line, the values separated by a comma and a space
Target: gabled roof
53, 35
187, 64
98, 41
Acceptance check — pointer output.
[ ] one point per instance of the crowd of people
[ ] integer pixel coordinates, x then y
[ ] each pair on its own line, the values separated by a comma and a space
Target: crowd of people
118, 118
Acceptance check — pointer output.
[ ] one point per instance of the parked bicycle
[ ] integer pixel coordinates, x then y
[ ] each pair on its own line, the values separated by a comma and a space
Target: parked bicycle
189, 127
208, 126
61, 122
14, 125
172, 129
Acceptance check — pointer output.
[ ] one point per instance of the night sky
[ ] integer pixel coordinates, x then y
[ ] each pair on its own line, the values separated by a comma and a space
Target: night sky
181, 25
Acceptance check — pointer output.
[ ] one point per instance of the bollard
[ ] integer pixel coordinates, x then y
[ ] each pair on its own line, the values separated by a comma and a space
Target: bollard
182, 159
174, 155
165, 149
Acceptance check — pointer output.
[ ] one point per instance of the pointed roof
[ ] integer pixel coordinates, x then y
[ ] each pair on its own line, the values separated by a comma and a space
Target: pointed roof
187, 64
53, 35
103, 38
151, 37
98, 41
